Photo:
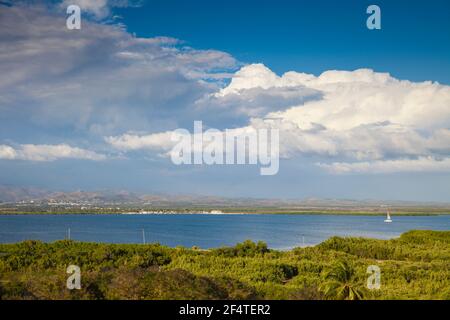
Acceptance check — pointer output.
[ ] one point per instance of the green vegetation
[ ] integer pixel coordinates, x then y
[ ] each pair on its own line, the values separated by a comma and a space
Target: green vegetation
340, 283
414, 266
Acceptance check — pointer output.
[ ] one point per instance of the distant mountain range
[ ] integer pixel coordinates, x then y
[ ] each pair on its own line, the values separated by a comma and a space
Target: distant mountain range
10, 194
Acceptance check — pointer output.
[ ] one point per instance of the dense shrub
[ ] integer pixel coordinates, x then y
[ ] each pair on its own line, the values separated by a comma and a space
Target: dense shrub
244, 249
414, 266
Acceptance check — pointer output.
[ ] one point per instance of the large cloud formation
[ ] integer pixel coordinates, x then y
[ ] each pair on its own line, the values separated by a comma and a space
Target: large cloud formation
100, 79
357, 121
102, 84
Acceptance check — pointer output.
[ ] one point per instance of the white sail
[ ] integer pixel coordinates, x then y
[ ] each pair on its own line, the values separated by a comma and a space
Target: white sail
388, 218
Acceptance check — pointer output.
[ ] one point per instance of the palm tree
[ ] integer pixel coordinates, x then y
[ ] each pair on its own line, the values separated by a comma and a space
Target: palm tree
341, 283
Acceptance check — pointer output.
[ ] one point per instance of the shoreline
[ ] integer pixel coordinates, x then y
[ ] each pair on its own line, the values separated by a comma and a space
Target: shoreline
300, 213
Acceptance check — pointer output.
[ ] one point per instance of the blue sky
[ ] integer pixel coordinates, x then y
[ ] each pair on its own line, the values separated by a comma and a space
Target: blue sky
312, 36
365, 114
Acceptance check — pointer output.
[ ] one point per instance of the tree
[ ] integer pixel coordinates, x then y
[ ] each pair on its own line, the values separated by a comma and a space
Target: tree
340, 283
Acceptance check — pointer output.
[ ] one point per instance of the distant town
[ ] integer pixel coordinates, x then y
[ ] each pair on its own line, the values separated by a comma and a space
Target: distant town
15, 200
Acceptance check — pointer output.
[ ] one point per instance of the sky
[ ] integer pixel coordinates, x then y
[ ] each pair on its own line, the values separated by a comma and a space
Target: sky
361, 114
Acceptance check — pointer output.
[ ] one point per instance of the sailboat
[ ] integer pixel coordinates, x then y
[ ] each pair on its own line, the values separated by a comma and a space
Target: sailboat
388, 218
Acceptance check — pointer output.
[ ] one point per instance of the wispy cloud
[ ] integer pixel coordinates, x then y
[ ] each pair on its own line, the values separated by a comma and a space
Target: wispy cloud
100, 79
423, 164
44, 152
100, 9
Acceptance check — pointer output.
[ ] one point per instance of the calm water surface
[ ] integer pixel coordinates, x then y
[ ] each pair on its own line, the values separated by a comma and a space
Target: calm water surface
209, 231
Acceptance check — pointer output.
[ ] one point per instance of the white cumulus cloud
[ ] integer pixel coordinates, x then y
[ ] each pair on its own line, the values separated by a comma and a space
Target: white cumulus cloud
357, 121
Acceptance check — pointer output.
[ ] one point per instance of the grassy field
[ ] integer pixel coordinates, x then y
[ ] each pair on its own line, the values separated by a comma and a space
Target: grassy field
414, 266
